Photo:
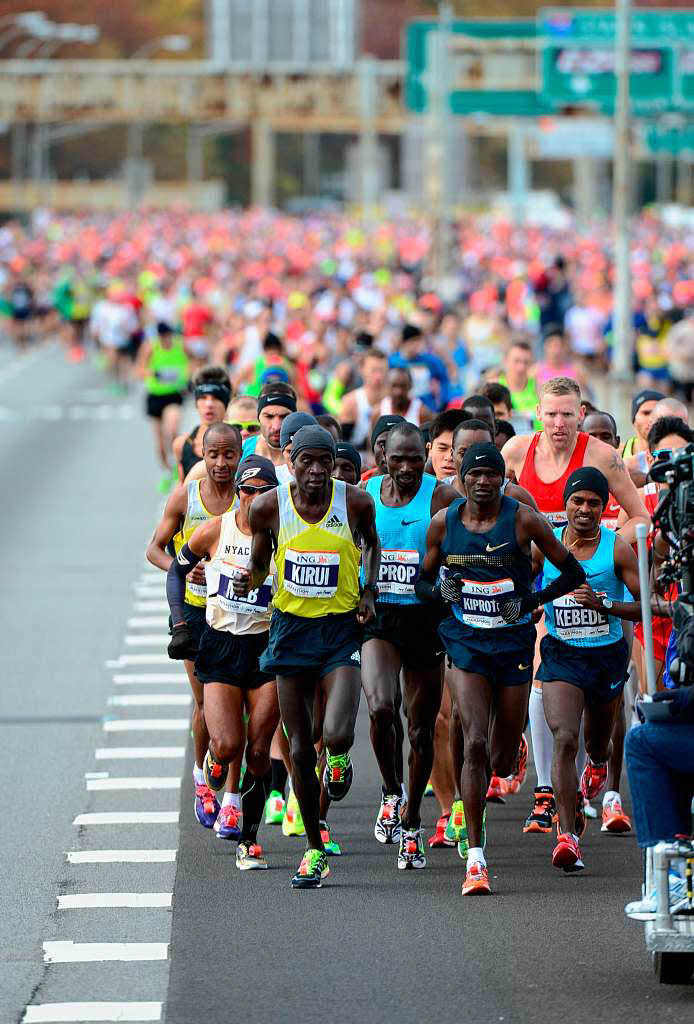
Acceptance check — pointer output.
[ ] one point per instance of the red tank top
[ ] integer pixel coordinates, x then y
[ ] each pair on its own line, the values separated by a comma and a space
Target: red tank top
550, 496
611, 513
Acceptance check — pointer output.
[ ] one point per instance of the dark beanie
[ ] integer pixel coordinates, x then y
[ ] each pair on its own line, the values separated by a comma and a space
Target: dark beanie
383, 424
588, 478
312, 436
483, 455
349, 452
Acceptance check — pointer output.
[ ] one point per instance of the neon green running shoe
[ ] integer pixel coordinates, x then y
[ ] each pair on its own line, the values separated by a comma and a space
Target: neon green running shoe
464, 845
292, 822
456, 823
332, 847
312, 870
338, 775
274, 808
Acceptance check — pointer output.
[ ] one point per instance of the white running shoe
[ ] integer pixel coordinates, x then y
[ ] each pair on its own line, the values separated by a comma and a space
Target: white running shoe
387, 828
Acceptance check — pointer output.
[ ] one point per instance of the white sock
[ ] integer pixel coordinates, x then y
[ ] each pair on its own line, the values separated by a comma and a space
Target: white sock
541, 737
475, 855
198, 777
581, 756
232, 798
609, 796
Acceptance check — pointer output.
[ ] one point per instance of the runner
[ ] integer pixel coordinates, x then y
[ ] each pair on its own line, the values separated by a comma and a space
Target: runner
399, 399
480, 408
227, 663
402, 641
642, 406
347, 463
275, 403
290, 424
358, 406
489, 638
584, 654
311, 523
522, 385
212, 392
242, 412
189, 506
163, 365
379, 435
542, 463
440, 446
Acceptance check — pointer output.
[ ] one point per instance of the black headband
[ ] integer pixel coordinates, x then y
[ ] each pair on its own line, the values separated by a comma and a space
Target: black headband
286, 401
588, 478
256, 467
483, 455
215, 388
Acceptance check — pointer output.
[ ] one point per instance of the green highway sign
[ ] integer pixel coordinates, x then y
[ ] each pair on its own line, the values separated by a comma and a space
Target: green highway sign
670, 140
577, 60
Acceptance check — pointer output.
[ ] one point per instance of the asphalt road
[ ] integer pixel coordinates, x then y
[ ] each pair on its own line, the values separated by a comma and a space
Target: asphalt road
373, 944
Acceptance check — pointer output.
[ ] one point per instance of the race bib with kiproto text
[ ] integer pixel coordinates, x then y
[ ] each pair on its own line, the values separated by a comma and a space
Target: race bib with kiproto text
311, 573
573, 622
398, 572
480, 602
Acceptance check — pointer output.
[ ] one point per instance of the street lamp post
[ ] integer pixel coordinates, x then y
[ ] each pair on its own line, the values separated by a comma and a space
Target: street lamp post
622, 332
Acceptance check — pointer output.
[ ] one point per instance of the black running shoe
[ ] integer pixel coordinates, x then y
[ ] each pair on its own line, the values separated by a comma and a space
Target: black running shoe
312, 870
544, 808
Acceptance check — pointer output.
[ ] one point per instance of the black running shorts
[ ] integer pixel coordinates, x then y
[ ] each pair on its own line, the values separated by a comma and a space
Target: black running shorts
599, 671
226, 658
155, 404
504, 661
300, 646
412, 629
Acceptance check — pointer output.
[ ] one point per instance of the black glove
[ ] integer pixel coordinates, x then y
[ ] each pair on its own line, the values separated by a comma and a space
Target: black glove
450, 588
514, 608
681, 702
181, 644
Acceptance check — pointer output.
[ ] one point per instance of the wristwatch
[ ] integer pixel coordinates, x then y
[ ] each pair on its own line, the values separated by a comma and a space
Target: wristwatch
607, 603
373, 587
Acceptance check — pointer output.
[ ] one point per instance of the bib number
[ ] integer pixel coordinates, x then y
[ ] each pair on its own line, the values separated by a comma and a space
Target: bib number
398, 572
311, 574
556, 518
573, 622
256, 601
479, 603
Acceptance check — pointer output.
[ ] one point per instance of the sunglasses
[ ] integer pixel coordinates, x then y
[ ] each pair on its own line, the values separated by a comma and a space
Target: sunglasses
662, 453
252, 427
247, 489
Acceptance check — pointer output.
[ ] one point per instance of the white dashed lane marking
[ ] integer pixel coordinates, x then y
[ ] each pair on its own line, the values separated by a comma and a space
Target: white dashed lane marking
127, 818
121, 856
102, 900
146, 725
143, 700
70, 952
64, 1013
134, 782
130, 753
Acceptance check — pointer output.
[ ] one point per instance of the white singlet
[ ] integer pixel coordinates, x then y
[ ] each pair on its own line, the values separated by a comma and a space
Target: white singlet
412, 414
238, 615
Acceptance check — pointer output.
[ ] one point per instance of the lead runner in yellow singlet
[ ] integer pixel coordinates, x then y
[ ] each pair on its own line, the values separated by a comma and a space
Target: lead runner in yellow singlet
311, 523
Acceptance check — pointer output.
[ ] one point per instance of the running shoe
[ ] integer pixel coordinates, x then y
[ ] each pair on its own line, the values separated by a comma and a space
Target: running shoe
614, 819
228, 823
456, 822
495, 794
250, 857
274, 808
387, 828
515, 781
332, 847
292, 822
476, 881
312, 870
215, 773
464, 842
588, 809
580, 818
206, 806
338, 775
593, 779
566, 854
544, 809
411, 852
429, 790
439, 837
645, 908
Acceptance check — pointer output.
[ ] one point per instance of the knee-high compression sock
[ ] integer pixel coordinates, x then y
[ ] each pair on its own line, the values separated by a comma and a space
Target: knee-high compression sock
581, 756
541, 737
253, 797
278, 778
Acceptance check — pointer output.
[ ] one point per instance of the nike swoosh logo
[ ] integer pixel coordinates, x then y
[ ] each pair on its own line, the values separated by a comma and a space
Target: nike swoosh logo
409, 522
478, 457
523, 667
497, 546
614, 686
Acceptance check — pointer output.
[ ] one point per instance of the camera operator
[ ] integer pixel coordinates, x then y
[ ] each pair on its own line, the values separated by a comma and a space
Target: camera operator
660, 753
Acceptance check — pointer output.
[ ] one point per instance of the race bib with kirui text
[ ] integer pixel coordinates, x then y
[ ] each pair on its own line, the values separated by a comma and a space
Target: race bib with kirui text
480, 602
311, 573
573, 622
398, 572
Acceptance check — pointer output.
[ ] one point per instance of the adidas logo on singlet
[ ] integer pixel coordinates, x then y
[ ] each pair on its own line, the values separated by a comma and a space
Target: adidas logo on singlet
334, 523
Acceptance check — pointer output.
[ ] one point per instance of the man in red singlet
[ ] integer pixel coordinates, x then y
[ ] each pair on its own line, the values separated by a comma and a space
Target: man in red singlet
542, 463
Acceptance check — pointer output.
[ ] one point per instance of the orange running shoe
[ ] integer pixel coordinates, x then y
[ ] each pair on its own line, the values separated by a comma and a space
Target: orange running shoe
614, 819
593, 779
567, 854
544, 808
439, 837
495, 794
476, 881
